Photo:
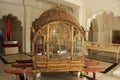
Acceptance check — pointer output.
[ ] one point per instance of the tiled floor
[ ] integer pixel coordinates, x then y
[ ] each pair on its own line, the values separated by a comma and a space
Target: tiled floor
60, 76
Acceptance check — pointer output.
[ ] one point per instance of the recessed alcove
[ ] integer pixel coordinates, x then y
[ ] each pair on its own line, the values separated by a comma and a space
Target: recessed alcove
104, 28
15, 31
115, 34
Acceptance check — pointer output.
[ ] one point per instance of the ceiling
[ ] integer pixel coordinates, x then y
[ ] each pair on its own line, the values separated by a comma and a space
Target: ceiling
86, 3
100, 3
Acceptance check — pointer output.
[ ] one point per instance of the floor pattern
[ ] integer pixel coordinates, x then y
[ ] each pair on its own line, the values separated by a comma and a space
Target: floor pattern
7, 58
61, 76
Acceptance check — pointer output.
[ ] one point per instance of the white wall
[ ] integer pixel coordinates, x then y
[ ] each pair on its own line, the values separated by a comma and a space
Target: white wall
14, 7
6, 8
33, 11
26, 11
97, 10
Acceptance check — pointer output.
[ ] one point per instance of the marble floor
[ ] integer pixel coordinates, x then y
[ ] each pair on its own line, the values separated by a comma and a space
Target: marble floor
62, 75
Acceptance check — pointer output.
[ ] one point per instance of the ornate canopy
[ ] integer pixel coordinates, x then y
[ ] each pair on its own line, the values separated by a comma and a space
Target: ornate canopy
57, 14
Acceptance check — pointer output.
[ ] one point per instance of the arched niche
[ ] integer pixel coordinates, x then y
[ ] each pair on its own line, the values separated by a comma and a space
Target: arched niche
93, 31
107, 25
16, 30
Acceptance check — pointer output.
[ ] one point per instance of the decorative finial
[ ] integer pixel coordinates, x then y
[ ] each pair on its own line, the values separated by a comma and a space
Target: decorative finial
32, 29
58, 5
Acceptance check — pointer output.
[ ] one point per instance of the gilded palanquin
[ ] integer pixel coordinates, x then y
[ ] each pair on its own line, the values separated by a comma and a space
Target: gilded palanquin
58, 42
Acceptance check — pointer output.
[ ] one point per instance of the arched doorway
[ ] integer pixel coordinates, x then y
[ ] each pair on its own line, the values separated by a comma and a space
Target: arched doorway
93, 33
15, 30
104, 27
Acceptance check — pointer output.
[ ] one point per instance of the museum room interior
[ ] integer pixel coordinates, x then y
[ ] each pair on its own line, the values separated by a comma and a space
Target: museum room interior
59, 39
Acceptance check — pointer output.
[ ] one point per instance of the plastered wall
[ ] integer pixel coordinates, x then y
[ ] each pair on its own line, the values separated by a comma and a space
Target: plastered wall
26, 11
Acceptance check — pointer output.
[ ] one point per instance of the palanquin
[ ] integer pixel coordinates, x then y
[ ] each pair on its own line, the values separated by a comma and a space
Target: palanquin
58, 42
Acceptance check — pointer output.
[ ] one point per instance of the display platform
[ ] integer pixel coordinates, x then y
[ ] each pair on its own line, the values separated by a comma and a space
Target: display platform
10, 47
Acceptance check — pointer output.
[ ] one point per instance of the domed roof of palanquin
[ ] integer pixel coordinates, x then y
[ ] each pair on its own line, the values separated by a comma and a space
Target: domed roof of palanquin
56, 14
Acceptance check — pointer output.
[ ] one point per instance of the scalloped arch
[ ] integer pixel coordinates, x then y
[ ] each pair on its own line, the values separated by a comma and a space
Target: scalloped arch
89, 20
